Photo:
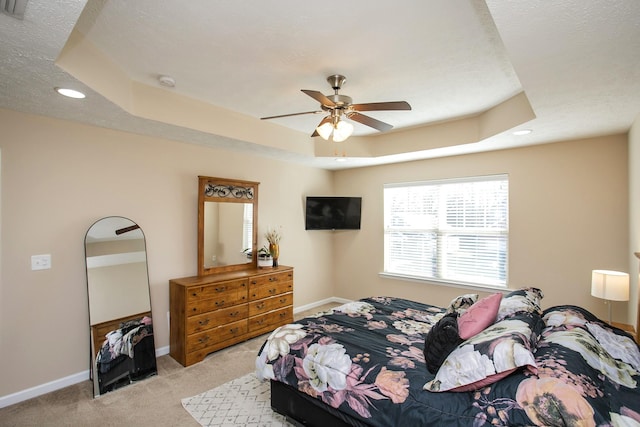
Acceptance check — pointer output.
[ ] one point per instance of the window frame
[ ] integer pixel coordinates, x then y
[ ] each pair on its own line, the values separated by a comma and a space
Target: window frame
247, 226
498, 236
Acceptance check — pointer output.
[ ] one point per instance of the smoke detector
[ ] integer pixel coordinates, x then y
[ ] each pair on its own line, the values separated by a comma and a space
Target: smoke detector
166, 81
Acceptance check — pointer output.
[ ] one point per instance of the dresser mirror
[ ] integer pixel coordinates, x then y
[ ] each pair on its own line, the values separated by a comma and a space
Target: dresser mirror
122, 344
227, 225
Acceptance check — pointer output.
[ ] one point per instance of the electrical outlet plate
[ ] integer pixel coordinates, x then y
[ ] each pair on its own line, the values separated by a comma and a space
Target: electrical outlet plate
41, 262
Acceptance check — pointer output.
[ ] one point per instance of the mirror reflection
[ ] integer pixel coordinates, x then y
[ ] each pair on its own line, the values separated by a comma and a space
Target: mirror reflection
122, 344
228, 233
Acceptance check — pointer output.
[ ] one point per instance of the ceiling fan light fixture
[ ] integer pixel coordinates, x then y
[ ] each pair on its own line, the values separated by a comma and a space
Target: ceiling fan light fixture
342, 131
341, 106
324, 130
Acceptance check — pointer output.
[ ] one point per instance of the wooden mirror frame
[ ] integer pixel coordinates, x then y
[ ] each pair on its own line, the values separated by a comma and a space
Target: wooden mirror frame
222, 190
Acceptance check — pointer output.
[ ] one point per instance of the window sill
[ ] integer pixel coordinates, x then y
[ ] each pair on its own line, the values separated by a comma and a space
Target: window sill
481, 288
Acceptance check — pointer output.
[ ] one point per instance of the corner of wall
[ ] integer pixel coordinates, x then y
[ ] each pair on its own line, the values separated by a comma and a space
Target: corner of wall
634, 221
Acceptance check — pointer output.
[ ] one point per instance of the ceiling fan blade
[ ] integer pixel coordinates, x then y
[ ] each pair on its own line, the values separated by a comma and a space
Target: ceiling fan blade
378, 106
323, 121
370, 121
318, 96
292, 114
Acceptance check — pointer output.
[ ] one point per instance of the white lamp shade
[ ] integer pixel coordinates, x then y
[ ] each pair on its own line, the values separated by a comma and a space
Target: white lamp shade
610, 285
343, 131
325, 130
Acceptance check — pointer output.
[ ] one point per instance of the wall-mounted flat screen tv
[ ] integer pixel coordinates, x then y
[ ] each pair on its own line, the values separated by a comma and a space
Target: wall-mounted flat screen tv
333, 213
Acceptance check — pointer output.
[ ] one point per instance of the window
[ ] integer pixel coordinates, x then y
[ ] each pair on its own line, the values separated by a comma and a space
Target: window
247, 226
450, 230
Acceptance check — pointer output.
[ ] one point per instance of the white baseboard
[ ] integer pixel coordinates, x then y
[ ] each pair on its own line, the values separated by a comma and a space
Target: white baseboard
54, 385
162, 351
313, 305
58, 384
43, 389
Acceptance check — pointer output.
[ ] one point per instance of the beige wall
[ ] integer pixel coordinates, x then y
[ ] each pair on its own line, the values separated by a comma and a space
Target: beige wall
568, 215
59, 177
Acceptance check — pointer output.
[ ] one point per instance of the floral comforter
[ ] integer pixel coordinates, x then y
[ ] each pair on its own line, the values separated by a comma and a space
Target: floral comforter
365, 358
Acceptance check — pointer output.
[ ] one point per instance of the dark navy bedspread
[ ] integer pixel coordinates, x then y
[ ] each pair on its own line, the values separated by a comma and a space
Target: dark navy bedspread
365, 358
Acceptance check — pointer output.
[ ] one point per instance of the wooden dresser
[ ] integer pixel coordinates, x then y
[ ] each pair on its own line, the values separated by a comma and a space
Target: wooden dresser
208, 313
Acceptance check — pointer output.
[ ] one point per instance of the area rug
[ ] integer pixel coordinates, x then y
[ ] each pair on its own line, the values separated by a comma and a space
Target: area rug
244, 401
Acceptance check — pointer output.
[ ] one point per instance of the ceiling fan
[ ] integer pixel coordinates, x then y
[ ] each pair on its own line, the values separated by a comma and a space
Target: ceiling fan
340, 107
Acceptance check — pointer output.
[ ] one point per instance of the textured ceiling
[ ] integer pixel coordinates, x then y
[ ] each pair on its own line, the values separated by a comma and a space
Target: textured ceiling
576, 61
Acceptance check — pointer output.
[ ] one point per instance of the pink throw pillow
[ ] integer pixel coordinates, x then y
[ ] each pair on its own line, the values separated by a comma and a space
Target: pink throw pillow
490, 379
479, 316
484, 382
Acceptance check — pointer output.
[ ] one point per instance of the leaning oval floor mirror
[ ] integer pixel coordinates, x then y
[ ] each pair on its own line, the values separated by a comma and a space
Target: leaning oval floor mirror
122, 344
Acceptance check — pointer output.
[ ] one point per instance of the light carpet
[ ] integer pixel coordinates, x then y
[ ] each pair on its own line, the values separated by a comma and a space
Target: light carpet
244, 401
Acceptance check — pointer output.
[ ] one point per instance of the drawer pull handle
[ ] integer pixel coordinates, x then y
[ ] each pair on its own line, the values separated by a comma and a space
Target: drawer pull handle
220, 289
233, 330
273, 279
260, 306
219, 303
194, 294
234, 314
204, 339
283, 300
253, 282
272, 291
260, 322
283, 314
203, 322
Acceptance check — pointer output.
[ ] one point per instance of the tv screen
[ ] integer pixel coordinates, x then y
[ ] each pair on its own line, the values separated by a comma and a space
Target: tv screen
333, 213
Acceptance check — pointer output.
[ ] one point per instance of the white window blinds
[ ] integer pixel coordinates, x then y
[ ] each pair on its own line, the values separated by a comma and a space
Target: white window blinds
452, 230
247, 226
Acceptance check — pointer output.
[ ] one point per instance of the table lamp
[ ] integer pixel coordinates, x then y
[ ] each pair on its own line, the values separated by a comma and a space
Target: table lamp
610, 286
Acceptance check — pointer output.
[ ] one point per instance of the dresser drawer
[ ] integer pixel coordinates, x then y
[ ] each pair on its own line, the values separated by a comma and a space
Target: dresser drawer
217, 335
199, 355
286, 276
269, 289
212, 319
269, 321
269, 304
215, 290
224, 300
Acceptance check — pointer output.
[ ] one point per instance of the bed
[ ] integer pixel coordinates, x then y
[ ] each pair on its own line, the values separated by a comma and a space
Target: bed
498, 360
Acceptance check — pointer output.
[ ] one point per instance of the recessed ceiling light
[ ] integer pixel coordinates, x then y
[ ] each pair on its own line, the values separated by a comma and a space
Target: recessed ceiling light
522, 132
70, 93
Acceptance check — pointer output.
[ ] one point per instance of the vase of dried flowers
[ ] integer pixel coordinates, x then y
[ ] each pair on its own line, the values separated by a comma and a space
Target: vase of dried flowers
273, 237
274, 249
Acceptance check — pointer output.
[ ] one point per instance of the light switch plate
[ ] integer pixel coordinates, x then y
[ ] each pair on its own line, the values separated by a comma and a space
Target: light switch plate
41, 262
